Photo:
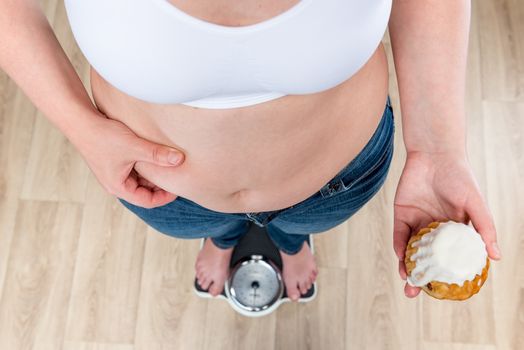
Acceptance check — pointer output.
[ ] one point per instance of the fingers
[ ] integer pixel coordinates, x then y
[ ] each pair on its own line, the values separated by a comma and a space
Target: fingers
401, 234
144, 197
482, 220
158, 154
407, 220
401, 237
402, 269
142, 181
411, 291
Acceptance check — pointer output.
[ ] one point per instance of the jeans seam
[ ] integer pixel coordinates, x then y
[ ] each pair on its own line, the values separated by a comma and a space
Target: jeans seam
383, 157
388, 155
366, 173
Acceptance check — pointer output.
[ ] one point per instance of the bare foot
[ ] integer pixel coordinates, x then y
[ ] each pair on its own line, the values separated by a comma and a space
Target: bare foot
299, 271
212, 267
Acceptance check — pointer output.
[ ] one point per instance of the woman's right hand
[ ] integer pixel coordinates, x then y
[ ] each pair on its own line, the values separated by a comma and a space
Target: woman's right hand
111, 150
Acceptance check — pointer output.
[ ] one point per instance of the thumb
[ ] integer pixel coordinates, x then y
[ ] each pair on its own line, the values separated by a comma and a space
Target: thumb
158, 154
482, 220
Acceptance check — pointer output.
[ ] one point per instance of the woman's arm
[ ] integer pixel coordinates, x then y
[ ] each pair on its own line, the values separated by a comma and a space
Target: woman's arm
32, 57
429, 41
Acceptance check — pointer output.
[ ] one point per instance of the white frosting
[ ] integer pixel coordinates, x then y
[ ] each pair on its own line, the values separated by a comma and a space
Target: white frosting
451, 253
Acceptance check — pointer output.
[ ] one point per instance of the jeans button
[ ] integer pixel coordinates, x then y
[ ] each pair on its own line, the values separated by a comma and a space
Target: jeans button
332, 188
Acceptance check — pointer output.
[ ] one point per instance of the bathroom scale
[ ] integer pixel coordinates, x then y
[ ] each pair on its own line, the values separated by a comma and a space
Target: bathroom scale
255, 286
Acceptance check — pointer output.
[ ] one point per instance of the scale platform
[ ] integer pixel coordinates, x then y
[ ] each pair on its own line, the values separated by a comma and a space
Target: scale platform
256, 242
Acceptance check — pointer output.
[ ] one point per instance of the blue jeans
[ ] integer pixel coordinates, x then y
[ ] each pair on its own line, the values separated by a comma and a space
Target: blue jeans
288, 228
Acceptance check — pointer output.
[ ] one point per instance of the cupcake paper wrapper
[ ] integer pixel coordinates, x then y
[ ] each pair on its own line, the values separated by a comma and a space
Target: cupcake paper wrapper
443, 290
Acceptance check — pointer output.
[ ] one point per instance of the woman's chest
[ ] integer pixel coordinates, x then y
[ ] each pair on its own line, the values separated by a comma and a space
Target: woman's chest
156, 52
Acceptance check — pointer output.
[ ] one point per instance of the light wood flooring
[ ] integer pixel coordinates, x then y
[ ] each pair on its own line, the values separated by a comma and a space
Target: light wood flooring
79, 271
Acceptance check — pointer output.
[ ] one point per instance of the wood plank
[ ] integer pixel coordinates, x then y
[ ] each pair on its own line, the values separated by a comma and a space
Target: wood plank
55, 170
319, 324
39, 274
105, 292
502, 49
169, 311
505, 173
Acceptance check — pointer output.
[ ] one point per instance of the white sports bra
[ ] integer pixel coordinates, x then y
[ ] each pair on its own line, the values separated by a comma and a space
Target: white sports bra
155, 52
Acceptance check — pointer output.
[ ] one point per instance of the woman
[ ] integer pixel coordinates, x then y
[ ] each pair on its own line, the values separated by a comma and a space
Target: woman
300, 156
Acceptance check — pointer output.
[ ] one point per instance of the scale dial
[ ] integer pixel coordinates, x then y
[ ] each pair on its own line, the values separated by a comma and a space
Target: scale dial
255, 284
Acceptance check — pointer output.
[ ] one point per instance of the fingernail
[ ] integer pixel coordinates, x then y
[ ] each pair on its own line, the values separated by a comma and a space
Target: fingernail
294, 297
496, 249
174, 157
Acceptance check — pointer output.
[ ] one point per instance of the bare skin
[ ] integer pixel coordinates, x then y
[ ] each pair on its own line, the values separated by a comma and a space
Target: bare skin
429, 41
300, 269
212, 269
219, 145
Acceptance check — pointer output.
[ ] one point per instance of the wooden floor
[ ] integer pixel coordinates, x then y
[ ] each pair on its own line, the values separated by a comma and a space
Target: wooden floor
79, 271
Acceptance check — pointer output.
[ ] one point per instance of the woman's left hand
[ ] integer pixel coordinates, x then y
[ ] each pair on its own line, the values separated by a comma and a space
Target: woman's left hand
436, 187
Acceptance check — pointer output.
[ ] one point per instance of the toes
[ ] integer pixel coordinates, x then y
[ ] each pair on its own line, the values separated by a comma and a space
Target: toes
292, 291
216, 289
304, 287
310, 282
200, 277
205, 283
312, 278
212, 289
210, 286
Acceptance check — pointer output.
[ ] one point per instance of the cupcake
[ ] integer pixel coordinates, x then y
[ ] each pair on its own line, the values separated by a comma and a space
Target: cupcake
448, 260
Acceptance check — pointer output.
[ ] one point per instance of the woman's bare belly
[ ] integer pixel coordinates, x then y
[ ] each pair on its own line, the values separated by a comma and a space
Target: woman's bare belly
263, 157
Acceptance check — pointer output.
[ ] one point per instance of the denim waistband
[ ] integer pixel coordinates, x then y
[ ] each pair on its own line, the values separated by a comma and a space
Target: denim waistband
357, 168
366, 160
